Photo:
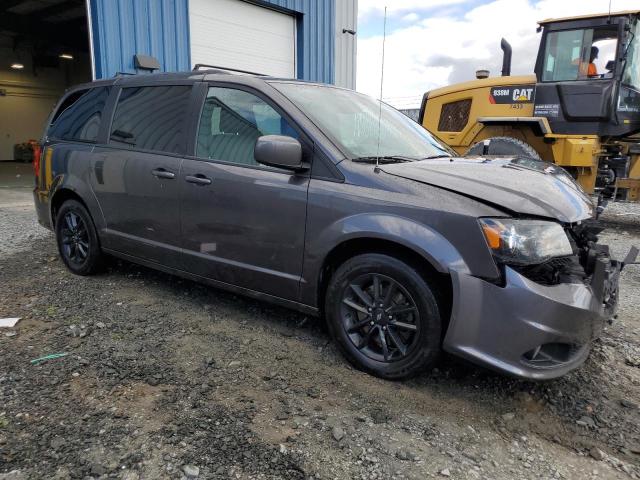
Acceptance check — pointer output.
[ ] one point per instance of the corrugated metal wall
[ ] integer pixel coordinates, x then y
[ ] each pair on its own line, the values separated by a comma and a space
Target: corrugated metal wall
122, 28
346, 43
160, 28
316, 39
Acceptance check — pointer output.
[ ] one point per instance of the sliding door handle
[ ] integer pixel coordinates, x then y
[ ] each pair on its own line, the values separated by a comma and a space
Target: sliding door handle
198, 179
162, 173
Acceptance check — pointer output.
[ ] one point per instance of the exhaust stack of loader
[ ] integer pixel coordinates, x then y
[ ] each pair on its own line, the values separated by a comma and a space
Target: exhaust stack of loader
506, 57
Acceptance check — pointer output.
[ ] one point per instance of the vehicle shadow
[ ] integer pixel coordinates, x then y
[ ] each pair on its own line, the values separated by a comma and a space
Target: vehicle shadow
451, 376
449, 372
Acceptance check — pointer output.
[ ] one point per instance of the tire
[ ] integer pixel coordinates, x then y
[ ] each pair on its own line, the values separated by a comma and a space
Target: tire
412, 336
505, 146
77, 239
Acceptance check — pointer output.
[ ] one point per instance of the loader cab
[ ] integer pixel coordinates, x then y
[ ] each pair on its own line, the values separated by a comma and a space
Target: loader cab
588, 75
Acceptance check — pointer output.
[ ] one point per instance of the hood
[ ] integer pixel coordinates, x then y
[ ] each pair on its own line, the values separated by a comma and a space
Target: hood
520, 185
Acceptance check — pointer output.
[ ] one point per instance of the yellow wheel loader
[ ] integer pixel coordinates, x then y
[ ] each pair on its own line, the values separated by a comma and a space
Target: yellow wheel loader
580, 109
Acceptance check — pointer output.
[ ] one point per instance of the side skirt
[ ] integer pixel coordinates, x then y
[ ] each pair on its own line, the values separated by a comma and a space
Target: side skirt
300, 307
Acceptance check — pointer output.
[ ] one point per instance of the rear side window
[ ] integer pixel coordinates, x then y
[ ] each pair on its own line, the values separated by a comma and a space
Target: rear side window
79, 115
151, 118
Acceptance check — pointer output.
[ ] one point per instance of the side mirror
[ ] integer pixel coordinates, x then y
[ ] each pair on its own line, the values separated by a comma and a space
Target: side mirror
611, 65
279, 151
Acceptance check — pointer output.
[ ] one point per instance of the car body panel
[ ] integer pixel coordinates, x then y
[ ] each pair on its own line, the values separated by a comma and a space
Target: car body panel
495, 326
517, 188
245, 228
64, 168
141, 210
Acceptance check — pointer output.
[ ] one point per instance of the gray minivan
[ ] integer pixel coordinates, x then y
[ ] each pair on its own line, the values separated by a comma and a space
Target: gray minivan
326, 201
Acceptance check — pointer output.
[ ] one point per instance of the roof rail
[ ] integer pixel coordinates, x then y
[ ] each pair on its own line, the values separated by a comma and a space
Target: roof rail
199, 66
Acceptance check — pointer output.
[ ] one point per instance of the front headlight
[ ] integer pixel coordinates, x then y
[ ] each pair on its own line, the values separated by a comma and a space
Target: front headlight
525, 242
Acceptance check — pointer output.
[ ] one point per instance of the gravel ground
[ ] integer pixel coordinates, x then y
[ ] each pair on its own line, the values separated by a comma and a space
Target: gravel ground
165, 378
19, 225
622, 216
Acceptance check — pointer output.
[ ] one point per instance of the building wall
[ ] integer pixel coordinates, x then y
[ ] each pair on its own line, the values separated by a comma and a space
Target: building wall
160, 28
27, 97
122, 28
346, 43
316, 40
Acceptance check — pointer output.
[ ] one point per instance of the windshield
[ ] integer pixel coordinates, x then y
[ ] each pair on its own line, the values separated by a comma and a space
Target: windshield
361, 126
631, 75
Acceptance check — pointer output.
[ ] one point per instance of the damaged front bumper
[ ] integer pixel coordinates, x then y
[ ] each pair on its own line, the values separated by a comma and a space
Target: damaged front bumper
530, 330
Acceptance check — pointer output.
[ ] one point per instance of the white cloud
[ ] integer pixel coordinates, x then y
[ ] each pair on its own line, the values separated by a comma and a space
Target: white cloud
411, 17
440, 50
396, 7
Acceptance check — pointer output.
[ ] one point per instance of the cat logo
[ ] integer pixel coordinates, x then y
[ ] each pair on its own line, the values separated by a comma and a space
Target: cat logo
522, 94
511, 95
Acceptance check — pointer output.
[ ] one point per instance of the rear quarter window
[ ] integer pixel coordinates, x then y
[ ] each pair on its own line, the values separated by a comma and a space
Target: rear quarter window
79, 115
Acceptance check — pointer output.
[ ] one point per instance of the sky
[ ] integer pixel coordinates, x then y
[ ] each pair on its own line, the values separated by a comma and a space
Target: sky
431, 43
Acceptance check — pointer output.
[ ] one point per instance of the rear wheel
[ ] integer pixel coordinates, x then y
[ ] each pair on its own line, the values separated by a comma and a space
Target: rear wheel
77, 239
505, 146
383, 316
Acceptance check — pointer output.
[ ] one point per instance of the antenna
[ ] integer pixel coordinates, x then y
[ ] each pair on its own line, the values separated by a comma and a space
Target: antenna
609, 21
384, 37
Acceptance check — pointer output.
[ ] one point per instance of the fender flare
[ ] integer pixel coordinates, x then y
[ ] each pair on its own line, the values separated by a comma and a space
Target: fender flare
420, 238
539, 125
80, 188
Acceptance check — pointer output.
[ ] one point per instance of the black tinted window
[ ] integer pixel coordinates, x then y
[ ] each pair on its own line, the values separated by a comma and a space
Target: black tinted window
79, 115
151, 118
231, 122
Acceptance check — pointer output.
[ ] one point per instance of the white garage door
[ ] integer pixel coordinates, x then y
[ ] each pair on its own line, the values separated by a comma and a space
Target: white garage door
237, 34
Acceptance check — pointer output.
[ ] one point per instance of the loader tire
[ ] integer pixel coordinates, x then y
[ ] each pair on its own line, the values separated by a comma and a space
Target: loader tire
505, 146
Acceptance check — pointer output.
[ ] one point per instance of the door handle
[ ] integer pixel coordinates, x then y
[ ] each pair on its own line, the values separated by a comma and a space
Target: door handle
162, 173
198, 179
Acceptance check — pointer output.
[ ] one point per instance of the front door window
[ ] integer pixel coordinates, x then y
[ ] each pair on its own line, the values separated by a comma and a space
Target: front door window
231, 122
580, 54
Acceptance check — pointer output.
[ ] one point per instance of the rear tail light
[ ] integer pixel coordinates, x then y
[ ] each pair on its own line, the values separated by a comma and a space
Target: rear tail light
37, 153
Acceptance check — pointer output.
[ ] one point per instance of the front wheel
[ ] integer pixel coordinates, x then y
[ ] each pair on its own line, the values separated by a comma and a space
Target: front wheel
77, 239
383, 316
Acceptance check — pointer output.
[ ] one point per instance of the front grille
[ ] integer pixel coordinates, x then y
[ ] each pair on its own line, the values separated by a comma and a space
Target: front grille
454, 116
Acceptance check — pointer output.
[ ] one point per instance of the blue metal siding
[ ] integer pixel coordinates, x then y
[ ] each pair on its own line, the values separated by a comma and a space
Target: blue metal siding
316, 37
160, 28
122, 28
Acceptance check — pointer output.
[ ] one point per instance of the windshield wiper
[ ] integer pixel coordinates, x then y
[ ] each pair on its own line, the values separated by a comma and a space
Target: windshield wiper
384, 159
432, 157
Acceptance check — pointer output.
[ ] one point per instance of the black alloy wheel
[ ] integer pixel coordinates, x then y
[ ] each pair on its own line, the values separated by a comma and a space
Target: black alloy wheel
77, 239
384, 316
380, 317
